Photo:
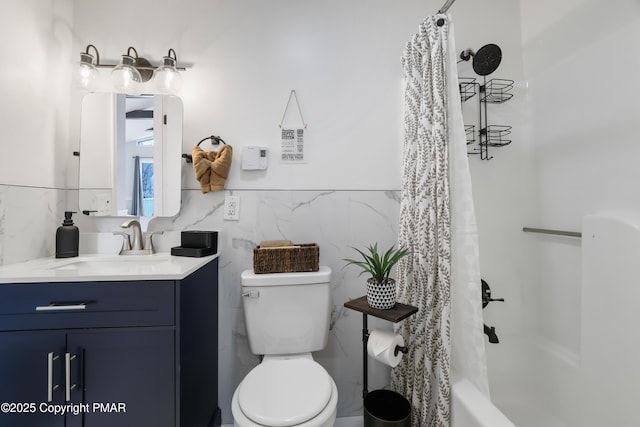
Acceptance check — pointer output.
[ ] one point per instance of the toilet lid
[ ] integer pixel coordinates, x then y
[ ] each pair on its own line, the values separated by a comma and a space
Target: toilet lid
284, 392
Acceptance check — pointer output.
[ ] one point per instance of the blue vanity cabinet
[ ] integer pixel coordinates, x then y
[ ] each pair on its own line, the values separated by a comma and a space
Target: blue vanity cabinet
126, 377
113, 353
24, 368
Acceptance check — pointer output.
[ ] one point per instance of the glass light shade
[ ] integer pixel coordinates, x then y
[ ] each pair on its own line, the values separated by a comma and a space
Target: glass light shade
126, 78
86, 75
166, 77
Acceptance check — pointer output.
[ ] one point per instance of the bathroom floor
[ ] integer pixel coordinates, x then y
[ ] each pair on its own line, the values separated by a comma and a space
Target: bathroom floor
340, 422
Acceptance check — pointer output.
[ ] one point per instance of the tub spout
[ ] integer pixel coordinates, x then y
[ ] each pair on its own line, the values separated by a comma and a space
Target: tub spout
491, 333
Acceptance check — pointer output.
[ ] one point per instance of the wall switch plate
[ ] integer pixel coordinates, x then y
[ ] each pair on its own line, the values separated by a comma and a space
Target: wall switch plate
232, 208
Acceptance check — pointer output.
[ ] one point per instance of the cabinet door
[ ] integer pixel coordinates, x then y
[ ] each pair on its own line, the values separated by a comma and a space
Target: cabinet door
126, 377
31, 378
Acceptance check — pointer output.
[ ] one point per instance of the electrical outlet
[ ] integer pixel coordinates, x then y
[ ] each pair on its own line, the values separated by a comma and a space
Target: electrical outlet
232, 208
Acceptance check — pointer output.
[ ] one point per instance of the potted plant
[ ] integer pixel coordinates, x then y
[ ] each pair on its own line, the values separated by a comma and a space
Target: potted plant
381, 289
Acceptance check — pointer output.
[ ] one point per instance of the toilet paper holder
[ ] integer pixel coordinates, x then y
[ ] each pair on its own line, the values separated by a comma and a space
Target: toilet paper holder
400, 349
381, 344
404, 349
396, 314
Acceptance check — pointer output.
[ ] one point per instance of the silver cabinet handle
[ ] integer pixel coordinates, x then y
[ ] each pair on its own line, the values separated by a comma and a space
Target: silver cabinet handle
251, 294
67, 367
50, 387
53, 307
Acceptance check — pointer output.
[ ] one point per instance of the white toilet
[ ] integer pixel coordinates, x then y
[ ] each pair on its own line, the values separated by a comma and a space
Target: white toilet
287, 317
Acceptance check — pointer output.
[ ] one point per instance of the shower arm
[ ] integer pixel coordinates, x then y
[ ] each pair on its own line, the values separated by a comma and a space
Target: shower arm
446, 6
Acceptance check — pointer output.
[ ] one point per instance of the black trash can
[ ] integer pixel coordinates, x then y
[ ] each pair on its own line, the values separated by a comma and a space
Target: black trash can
386, 408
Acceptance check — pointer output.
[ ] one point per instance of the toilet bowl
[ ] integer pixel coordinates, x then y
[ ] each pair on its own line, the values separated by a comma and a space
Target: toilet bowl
286, 391
287, 318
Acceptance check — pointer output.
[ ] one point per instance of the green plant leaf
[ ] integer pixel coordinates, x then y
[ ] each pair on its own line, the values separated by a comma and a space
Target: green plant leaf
377, 265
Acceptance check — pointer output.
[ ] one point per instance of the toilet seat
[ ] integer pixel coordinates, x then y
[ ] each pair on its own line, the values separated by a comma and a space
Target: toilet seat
285, 392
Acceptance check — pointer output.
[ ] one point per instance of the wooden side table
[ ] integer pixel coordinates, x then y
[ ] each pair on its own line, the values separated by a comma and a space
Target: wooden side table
397, 313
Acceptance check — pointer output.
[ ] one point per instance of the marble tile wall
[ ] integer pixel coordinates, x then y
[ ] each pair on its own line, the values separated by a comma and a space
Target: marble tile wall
335, 220
29, 217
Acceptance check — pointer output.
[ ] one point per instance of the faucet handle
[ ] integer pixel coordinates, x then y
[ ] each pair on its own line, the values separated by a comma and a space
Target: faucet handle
148, 243
126, 241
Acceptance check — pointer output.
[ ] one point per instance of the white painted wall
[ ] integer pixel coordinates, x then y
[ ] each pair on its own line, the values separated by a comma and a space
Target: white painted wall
341, 58
35, 41
35, 77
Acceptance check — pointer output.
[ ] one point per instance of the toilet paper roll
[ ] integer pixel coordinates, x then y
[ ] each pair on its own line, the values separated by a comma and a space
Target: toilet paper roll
381, 346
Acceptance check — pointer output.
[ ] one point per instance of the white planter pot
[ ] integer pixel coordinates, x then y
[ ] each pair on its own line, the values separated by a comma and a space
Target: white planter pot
381, 295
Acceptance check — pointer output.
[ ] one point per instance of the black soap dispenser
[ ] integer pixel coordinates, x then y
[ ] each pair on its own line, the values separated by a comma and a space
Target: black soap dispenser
67, 238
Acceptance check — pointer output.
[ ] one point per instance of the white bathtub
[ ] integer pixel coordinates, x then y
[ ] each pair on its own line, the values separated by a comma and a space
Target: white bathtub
470, 408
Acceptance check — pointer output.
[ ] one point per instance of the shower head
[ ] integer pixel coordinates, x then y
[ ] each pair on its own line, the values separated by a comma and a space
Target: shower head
487, 59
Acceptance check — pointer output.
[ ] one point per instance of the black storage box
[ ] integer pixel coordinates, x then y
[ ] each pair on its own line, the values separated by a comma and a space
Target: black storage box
199, 239
196, 243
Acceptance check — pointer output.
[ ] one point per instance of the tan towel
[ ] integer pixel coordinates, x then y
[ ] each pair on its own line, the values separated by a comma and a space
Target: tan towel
212, 167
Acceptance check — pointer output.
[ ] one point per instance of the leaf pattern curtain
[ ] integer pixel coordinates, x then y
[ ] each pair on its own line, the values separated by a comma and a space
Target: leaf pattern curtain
424, 277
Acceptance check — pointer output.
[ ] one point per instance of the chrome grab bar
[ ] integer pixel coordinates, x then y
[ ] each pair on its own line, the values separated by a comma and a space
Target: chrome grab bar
553, 232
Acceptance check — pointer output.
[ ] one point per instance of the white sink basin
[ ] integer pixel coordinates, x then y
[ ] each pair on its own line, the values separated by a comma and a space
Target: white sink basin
129, 263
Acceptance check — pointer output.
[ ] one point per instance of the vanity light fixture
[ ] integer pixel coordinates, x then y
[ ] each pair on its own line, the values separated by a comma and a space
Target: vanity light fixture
86, 76
128, 75
166, 77
125, 76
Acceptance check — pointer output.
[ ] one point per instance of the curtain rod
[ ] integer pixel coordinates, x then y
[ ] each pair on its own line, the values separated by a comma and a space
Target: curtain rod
446, 6
554, 232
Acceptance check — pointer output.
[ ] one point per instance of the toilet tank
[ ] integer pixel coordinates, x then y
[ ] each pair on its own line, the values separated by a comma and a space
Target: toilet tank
286, 313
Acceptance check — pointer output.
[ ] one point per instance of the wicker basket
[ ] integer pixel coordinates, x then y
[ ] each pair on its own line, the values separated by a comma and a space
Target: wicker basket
287, 259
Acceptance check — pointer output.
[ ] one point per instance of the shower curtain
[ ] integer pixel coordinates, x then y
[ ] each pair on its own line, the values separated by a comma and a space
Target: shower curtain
437, 224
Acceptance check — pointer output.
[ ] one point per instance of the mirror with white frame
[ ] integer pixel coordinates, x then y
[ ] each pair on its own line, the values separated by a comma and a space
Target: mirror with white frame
130, 155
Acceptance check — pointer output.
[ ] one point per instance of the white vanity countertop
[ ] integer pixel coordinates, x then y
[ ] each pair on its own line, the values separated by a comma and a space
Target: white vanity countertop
100, 267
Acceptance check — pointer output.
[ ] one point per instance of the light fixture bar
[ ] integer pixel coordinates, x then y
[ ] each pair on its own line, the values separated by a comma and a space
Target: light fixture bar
130, 72
99, 64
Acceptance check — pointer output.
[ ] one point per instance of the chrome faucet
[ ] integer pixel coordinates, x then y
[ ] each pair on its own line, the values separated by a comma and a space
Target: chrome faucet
136, 247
